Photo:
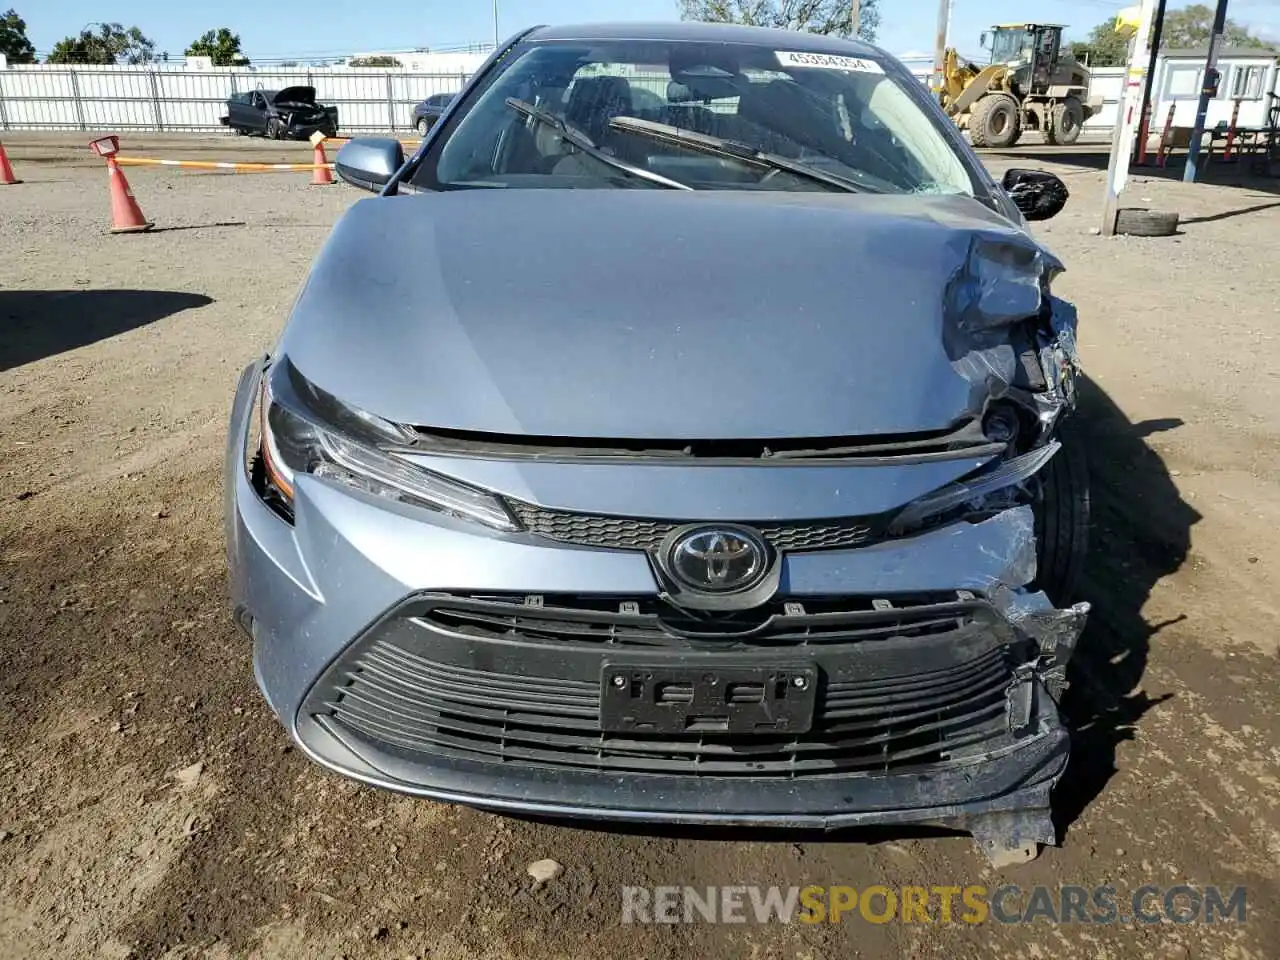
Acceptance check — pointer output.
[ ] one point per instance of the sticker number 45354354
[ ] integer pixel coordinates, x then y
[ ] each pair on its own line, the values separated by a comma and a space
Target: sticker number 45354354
827, 61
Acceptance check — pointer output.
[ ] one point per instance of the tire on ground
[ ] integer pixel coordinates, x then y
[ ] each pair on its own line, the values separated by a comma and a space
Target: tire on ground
275, 129
422, 126
1065, 122
1140, 222
995, 121
1062, 519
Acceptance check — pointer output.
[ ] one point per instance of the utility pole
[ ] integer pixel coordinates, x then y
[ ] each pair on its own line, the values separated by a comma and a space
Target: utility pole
1157, 33
495, 24
1208, 88
940, 46
855, 18
1136, 24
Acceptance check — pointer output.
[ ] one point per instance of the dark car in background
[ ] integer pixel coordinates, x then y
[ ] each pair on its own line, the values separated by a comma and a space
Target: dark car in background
426, 113
290, 113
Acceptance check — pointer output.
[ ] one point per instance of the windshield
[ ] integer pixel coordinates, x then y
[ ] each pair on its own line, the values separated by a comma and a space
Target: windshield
612, 114
1007, 45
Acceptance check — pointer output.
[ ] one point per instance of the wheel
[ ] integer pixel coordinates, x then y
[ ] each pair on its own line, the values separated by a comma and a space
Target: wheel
423, 126
995, 121
275, 129
1065, 122
1138, 222
1062, 519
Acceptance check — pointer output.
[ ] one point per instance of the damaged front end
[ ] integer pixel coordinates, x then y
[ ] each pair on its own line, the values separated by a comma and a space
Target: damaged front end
1016, 344
561, 578
301, 115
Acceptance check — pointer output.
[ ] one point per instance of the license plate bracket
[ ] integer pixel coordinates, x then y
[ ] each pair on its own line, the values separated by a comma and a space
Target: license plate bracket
760, 699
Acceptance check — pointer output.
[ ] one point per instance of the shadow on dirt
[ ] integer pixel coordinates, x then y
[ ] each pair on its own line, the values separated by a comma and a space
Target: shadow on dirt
1227, 215
41, 323
1140, 532
221, 224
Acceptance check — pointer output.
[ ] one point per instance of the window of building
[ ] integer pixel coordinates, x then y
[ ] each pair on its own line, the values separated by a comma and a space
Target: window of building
1246, 82
1181, 81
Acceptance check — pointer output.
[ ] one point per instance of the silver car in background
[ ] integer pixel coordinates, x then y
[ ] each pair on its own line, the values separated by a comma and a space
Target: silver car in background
681, 435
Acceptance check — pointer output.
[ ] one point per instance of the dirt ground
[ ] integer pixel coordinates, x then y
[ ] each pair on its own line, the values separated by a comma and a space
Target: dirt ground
153, 807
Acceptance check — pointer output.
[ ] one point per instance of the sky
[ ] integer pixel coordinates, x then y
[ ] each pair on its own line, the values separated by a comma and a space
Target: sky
309, 29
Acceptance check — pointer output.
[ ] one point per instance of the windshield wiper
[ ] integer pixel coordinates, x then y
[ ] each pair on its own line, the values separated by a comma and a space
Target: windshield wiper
584, 145
731, 149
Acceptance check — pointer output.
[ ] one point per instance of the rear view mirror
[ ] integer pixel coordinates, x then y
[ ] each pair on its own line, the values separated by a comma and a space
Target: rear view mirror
1037, 193
369, 162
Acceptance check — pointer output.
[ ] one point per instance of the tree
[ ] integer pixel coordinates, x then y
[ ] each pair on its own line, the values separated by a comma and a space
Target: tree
380, 60
1104, 48
111, 44
1190, 28
221, 45
13, 39
816, 16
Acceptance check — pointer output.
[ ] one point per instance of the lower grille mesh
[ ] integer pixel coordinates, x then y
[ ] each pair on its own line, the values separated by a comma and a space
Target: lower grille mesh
398, 698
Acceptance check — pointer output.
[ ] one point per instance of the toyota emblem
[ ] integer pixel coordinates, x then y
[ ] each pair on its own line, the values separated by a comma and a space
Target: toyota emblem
717, 559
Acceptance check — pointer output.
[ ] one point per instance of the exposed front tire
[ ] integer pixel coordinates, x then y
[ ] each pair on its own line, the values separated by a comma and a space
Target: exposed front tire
1062, 519
275, 129
995, 121
1065, 122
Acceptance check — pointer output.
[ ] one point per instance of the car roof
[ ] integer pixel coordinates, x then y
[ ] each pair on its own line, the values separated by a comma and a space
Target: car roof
704, 33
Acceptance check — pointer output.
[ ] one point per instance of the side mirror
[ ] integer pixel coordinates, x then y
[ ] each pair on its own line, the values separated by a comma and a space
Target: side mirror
1037, 193
369, 162
982, 40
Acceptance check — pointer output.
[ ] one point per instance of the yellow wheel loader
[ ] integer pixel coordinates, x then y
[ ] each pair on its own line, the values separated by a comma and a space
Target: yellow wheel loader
1030, 84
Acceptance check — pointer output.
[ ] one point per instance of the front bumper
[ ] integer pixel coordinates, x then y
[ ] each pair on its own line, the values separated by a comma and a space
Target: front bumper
425, 655
303, 129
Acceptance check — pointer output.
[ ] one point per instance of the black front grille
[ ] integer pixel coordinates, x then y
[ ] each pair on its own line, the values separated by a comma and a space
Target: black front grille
649, 621
633, 533
403, 700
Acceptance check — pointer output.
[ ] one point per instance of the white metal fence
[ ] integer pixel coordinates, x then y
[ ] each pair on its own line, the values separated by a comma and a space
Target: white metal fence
137, 98
169, 97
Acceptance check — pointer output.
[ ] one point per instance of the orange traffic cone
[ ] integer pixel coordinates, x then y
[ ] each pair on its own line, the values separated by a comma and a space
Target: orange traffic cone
126, 215
6, 171
322, 175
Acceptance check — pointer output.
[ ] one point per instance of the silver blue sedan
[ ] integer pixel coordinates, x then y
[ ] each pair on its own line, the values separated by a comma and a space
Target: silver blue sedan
683, 433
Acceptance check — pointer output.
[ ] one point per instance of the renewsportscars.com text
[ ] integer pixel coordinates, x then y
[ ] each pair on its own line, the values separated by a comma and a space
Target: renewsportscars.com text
973, 904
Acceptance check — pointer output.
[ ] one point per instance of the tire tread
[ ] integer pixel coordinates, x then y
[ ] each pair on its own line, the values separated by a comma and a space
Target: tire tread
1062, 520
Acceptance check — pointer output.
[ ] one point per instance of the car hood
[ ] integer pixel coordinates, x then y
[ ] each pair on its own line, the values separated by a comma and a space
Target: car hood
295, 95
666, 314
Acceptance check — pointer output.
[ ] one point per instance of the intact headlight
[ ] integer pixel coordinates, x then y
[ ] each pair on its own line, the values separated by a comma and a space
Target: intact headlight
305, 430
973, 491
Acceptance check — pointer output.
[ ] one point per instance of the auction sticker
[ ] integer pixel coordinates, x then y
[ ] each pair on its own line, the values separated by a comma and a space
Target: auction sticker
827, 61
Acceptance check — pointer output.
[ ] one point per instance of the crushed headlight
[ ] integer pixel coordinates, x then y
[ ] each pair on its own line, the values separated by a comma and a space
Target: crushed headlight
974, 490
305, 430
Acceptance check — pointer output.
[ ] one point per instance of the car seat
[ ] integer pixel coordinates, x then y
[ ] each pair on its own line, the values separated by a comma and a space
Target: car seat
594, 101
